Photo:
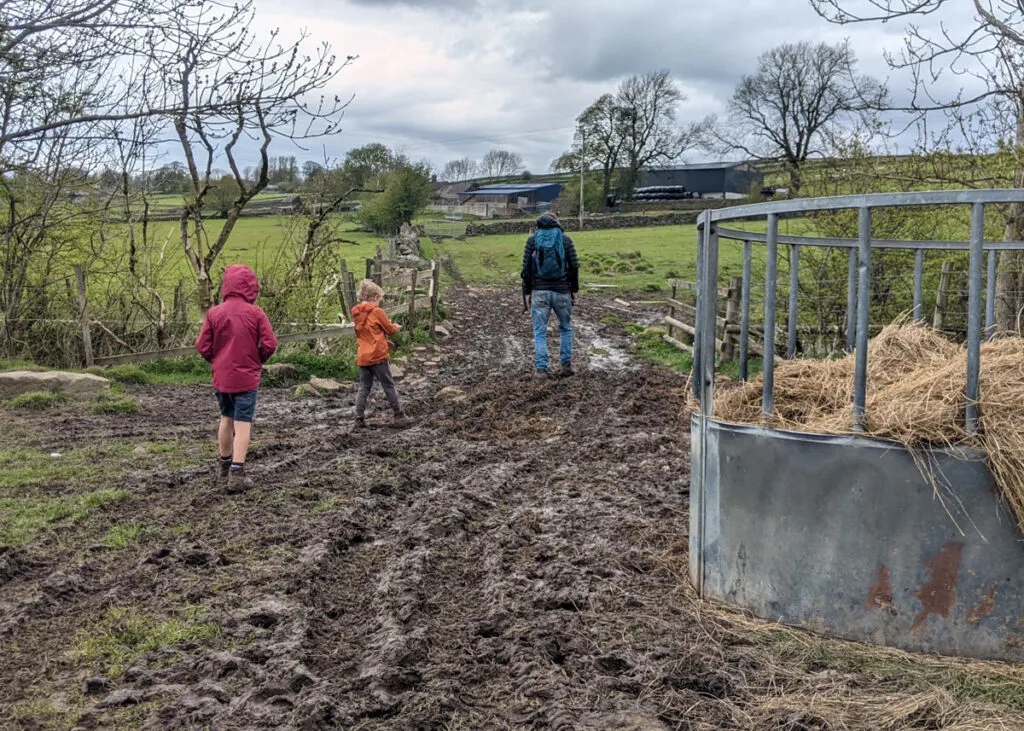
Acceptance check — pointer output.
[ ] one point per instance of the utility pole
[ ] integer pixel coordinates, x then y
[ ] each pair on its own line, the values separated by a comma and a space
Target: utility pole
583, 168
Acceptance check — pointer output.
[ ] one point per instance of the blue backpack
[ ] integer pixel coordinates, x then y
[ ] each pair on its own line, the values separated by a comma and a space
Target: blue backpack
549, 255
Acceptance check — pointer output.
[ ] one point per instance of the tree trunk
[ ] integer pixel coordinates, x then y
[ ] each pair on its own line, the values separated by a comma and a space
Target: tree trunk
795, 180
1010, 276
205, 292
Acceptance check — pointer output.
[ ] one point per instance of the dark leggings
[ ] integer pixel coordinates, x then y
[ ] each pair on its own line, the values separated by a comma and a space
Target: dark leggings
382, 373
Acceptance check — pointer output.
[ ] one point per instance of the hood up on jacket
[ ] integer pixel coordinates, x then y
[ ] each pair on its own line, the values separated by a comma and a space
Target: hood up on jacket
240, 281
360, 312
549, 220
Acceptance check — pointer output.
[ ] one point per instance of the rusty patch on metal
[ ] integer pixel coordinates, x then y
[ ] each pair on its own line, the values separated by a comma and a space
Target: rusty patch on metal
880, 595
939, 595
985, 608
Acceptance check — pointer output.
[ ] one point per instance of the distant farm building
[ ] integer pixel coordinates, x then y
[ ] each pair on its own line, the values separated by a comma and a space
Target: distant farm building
497, 200
710, 180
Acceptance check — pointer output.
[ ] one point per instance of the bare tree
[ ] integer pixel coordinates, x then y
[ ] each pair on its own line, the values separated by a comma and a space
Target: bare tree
501, 163
650, 134
96, 83
984, 117
231, 86
800, 98
597, 141
464, 168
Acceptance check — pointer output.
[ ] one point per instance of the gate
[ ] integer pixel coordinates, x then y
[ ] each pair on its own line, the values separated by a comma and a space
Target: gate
843, 534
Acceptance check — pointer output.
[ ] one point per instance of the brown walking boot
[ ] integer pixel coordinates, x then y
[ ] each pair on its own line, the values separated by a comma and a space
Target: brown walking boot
401, 420
238, 482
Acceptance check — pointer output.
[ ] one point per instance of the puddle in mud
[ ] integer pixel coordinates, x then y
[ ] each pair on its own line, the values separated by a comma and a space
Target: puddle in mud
605, 354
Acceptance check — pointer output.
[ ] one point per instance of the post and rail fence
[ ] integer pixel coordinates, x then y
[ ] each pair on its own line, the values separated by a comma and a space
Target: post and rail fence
408, 289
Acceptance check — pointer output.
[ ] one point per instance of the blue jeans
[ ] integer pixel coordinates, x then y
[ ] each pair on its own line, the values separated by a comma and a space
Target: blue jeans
542, 305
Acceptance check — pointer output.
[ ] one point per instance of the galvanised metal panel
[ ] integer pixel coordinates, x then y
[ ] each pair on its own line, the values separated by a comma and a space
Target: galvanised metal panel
844, 536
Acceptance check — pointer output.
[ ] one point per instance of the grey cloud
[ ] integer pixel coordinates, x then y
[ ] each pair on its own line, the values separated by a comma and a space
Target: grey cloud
540, 62
705, 45
417, 3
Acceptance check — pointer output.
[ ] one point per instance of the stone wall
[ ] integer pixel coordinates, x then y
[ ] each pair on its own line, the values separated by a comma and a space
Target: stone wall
699, 204
682, 218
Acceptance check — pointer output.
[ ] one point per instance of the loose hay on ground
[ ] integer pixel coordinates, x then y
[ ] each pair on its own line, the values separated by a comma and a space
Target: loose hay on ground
916, 395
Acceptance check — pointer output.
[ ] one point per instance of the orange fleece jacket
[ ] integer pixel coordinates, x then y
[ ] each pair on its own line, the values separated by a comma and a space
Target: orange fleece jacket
372, 330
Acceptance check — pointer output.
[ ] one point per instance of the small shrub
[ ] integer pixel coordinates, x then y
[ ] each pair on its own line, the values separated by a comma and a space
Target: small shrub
38, 401
128, 374
623, 267
652, 287
194, 366
629, 255
340, 366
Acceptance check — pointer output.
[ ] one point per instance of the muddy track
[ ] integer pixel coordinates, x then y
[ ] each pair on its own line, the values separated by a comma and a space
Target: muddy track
516, 560
510, 561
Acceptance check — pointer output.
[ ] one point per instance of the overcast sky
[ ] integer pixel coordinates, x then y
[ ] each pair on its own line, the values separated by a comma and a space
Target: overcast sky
449, 78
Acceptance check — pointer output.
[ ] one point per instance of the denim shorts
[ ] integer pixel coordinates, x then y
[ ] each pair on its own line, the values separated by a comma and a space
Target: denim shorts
238, 406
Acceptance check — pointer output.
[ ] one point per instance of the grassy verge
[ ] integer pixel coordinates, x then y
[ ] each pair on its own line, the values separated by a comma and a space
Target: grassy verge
124, 634
651, 348
22, 518
968, 682
42, 491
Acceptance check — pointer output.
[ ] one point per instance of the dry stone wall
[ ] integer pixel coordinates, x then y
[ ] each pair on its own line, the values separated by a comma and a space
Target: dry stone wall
628, 221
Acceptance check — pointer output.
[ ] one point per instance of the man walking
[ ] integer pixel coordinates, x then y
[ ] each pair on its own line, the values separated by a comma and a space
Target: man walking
551, 279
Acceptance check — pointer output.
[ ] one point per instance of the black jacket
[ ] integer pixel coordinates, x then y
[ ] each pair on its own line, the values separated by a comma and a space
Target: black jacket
570, 283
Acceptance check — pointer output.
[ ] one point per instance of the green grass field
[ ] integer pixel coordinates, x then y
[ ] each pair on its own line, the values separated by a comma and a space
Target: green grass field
256, 242
634, 260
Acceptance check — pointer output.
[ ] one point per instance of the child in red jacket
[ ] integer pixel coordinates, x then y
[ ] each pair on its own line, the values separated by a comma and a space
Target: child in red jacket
237, 340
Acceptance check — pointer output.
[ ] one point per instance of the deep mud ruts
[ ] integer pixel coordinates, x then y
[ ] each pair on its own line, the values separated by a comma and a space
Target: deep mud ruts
514, 560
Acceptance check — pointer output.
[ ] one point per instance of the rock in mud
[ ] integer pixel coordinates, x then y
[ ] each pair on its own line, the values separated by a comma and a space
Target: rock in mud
325, 385
76, 385
121, 698
281, 374
442, 332
452, 394
397, 372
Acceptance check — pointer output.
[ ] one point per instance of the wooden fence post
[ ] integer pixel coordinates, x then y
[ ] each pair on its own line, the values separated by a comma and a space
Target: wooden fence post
346, 303
672, 309
435, 285
350, 291
942, 297
732, 320
412, 304
379, 269
83, 311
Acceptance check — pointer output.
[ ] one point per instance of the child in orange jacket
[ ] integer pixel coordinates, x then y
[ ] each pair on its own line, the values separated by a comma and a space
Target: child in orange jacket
372, 330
